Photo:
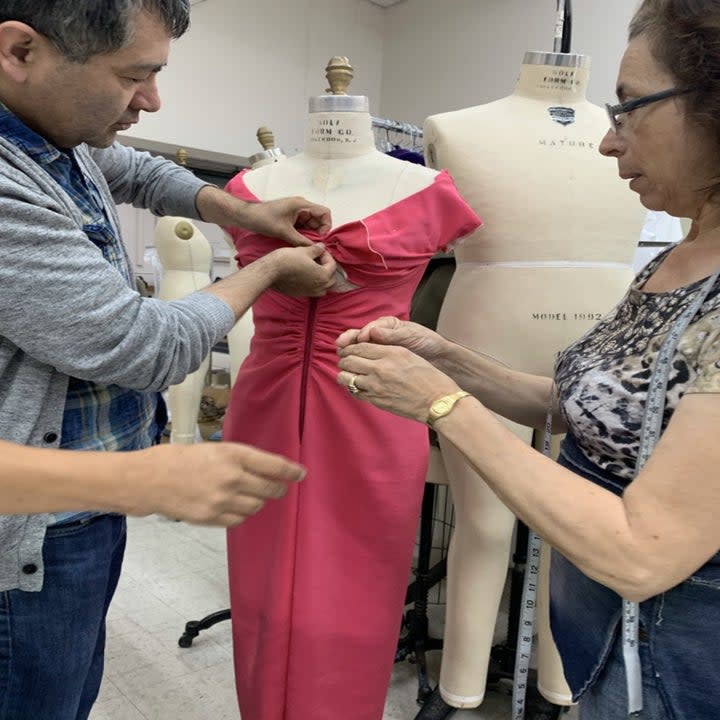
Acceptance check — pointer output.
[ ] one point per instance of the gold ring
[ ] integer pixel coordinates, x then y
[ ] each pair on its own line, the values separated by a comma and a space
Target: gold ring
352, 387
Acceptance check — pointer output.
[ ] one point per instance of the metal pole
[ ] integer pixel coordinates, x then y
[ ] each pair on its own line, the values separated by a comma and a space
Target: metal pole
563, 27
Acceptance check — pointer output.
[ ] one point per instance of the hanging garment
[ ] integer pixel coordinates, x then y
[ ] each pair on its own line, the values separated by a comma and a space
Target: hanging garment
318, 578
402, 153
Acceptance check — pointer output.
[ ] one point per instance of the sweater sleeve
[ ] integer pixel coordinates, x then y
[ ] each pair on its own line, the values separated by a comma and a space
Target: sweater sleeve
147, 181
65, 306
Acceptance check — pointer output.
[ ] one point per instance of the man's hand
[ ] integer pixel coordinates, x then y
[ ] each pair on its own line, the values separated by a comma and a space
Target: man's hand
303, 272
281, 218
284, 217
207, 483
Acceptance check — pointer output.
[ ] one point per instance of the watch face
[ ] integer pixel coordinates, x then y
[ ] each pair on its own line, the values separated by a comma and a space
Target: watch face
442, 406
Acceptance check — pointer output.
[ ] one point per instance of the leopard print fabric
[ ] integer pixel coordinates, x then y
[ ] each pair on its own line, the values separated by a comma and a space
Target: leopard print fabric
602, 379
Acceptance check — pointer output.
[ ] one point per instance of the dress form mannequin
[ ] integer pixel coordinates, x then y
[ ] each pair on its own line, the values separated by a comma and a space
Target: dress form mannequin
186, 258
239, 337
340, 166
317, 604
554, 255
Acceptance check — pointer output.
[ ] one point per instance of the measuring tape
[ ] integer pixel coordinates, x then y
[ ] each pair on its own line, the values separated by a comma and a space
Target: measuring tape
528, 604
527, 624
649, 435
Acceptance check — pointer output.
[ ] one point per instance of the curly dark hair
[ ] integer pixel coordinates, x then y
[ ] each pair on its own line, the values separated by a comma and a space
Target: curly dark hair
83, 28
684, 37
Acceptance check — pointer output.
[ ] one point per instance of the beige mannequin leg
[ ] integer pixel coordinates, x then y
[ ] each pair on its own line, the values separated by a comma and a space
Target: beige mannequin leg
184, 403
477, 567
551, 679
239, 343
547, 308
186, 257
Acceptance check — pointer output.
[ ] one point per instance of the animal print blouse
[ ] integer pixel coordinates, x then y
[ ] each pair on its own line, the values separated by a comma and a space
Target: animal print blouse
602, 379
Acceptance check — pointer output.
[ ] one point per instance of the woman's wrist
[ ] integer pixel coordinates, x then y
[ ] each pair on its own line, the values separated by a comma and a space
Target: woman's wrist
443, 356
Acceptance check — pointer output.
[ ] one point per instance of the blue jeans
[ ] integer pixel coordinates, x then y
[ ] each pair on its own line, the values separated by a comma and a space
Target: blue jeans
607, 698
52, 642
679, 632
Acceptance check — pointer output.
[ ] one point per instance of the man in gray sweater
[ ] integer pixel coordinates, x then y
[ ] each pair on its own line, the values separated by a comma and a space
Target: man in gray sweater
82, 355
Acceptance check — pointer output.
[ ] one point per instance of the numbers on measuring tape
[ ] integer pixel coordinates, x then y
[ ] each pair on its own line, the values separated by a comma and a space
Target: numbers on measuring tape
527, 623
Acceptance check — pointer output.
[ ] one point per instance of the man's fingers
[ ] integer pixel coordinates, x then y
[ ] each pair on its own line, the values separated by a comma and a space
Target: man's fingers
313, 217
265, 464
317, 251
328, 261
296, 239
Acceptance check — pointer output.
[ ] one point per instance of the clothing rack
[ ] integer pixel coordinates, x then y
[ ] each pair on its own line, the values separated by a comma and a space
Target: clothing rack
399, 127
386, 144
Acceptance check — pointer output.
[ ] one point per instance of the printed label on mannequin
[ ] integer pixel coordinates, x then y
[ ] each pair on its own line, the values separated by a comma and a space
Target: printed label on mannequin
332, 131
562, 115
561, 79
594, 316
585, 144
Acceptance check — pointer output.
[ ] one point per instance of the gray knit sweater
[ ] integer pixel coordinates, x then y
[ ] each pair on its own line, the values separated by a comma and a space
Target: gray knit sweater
64, 311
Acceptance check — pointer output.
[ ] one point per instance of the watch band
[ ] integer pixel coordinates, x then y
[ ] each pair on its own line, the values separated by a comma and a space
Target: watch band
443, 405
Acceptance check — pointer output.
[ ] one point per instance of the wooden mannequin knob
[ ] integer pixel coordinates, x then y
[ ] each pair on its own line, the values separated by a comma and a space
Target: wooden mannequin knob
339, 73
181, 157
184, 230
266, 138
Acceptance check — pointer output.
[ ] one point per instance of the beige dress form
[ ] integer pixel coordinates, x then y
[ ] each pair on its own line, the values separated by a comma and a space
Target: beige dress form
186, 258
554, 254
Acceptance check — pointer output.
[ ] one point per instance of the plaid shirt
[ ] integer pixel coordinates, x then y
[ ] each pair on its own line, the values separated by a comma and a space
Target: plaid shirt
97, 417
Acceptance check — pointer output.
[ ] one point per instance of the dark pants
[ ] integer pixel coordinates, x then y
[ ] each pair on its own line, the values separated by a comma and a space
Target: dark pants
52, 642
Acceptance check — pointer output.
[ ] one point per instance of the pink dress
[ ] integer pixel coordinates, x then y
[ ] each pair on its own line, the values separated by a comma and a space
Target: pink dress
318, 579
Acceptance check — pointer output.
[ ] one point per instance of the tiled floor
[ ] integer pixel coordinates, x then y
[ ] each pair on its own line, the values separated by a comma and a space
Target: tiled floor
174, 573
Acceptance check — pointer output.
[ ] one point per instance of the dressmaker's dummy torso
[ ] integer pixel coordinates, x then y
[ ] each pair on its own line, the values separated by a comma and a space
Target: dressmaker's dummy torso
555, 253
186, 258
304, 627
340, 166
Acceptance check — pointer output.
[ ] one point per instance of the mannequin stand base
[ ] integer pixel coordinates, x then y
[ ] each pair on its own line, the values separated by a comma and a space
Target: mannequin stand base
193, 627
536, 706
435, 708
412, 647
416, 640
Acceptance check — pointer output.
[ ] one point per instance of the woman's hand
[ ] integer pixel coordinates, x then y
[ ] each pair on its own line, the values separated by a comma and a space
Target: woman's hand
392, 331
392, 378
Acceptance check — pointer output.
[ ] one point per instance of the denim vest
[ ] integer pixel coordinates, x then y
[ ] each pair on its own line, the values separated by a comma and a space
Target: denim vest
680, 626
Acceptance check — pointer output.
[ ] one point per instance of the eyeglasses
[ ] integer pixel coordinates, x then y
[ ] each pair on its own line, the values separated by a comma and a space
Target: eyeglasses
615, 112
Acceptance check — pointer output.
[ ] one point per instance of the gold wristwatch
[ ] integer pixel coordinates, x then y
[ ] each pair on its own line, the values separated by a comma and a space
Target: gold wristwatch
442, 406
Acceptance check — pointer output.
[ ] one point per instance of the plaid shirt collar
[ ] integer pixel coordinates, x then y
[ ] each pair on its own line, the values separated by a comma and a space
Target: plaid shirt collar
32, 144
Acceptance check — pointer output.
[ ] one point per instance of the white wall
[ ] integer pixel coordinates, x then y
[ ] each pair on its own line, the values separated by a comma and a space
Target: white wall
244, 64
443, 55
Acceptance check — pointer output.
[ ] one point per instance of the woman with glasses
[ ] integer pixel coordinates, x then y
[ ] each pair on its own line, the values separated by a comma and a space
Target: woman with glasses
631, 506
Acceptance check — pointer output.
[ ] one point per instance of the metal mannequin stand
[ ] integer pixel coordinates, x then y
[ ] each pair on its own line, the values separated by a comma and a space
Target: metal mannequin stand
193, 627
502, 656
416, 640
